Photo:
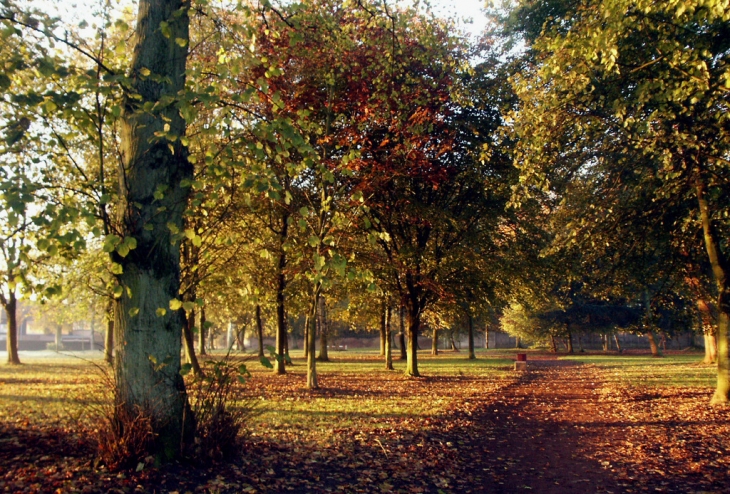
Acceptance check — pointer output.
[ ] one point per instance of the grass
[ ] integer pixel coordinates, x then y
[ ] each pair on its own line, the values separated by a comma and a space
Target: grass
357, 393
682, 370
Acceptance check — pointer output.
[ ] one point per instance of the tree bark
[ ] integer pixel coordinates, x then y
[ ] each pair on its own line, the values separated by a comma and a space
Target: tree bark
402, 333
323, 353
147, 366
472, 355
281, 329
10, 304
109, 341
312, 342
305, 343
260, 331
388, 340
452, 342
201, 334
618, 343
553, 345
719, 265
189, 341
414, 322
570, 339
517, 343
435, 342
652, 344
486, 337
382, 330
710, 349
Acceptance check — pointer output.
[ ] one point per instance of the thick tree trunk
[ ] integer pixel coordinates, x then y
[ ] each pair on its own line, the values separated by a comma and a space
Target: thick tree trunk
202, 333
710, 349
402, 333
230, 336
260, 332
11, 309
323, 353
472, 355
435, 342
388, 340
720, 272
652, 344
189, 342
151, 271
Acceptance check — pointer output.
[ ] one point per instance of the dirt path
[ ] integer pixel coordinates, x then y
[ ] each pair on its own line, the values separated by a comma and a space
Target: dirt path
561, 428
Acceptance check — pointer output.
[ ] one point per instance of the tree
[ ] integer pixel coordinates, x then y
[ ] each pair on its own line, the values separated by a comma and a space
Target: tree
618, 79
153, 158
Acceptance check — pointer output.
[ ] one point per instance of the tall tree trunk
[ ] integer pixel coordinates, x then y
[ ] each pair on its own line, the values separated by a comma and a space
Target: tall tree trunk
323, 353
241, 337
10, 304
402, 333
382, 330
388, 339
151, 271
518, 344
230, 336
414, 323
652, 344
435, 342
470, 321
58, 337
452, 342
189, 341
260, 332
710, 349
720, 269
570, 338
305, 343
281, 329
312, 341
553, 345
486, 337
202, 333
618, 343
109, 337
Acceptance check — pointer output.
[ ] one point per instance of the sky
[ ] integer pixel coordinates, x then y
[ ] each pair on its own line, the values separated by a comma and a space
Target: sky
461, 10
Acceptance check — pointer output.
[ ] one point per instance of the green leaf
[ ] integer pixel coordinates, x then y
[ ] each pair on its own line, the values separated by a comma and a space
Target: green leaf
117, 268
188, 306
313, 241
123, 250
133, 311
181, 42
175, 304
266, 362
185, 369
161, 312
118, 291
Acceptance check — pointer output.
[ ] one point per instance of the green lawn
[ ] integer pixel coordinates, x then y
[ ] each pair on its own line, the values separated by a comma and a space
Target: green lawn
644, 370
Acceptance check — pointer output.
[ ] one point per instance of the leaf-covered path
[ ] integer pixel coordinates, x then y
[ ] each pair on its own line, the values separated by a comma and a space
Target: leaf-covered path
564, 428
561, 427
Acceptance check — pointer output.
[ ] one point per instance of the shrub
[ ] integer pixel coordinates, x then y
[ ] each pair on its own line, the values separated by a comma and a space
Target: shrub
219, 409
